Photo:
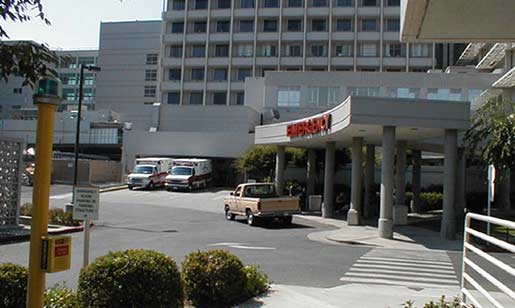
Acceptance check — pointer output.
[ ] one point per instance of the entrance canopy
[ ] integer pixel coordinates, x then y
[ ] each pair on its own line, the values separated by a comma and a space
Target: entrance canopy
416, 121
457, 21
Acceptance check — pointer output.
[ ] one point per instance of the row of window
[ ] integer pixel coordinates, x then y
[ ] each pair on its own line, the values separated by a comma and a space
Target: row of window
73, 79
179, 5
291, 25
197, 98
75, 62
365, 49
290, 96
72, 94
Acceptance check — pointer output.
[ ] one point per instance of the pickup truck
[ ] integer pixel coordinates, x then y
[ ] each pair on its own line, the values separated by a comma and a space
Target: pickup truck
260, 201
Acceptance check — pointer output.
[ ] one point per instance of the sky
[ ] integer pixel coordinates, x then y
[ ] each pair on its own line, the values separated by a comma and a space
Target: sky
76, 23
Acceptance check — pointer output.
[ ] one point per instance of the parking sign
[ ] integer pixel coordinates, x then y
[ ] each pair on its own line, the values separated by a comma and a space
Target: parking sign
85, 203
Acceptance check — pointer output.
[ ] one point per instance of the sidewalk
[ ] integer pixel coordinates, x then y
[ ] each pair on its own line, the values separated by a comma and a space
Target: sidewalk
405, 237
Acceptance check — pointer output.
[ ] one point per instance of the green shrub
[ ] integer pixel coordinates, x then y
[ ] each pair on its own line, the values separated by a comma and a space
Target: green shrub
58, 216
214, 278
442, 303
131, 278
26, 209
13, 285
59, 296
432, 200
257, 281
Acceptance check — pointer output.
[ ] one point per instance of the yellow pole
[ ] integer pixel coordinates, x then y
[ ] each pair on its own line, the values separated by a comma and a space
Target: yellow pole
40, 202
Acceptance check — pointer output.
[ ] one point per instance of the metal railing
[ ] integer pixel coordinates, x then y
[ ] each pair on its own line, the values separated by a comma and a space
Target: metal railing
468, 247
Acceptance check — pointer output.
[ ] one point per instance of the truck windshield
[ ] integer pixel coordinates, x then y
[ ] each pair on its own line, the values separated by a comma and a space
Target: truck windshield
260, 191
143, 169
181, 171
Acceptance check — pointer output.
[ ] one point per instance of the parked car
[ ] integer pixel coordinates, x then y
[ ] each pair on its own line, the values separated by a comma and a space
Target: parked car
149, 173
258, 201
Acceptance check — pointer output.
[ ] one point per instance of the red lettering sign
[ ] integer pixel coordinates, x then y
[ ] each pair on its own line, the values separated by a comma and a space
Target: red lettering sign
61, 251
309, 127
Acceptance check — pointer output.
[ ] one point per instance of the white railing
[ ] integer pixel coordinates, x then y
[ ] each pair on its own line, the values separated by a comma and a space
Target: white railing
468, 247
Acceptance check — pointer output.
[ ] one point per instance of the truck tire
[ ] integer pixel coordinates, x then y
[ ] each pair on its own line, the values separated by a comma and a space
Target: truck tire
251, 219
151, 186
228, 214
287, 220
131, 187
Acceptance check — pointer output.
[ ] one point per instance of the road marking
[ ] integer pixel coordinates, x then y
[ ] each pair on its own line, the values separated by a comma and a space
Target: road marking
224, 244
242, 246
403, 268
61, 196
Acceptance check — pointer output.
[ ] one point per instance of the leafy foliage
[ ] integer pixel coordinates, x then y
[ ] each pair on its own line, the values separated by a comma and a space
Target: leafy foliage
26, 209
442, 303
214, 278
131, 278
493, 133
29, 60
13, 282
258, 161
58, 216
257, 281
59, 296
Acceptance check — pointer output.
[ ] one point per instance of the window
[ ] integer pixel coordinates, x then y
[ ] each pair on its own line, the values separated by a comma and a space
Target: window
176, 51
198, 51
420, 50
246, 26
174, 74
196, 98
394, 50
364, 91
368, 50
344, 50
240, 98
294, 50
69, 94
86, 60
288, 96
68, 63
333, 96
244, 73
295, 3
246, 50
404, 92
17, 90
269, 51
150, 75
294, 25
222, 50
444, 94
197, 74
150, 91
318, 25
474, 94
220, 74
393, 3
88, 94
223, 26
271, 3
319, 3
224, 4
369, 2
151, 59
270, 26
174, 98
69, 79
247, 4
199, 26
179, 5
323, 96
201, 4
369, 24
393, 25
343, 3
89, 79
343, 25
317, 50
177, 27
220, 98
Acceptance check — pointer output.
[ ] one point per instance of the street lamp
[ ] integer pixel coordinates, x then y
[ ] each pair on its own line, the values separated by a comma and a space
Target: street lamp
91, 68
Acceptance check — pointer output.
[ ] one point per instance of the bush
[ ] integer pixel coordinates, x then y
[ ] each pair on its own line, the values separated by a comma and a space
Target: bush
131, 278
13, 285
442, 303
257, 281
26, 209
59, 296
214, 278
60, 217
432, 200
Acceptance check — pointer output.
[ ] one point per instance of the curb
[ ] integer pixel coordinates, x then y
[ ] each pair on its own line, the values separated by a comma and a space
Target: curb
115, 188
56, 231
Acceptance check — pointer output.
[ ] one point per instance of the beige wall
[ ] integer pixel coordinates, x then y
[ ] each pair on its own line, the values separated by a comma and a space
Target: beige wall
90, 171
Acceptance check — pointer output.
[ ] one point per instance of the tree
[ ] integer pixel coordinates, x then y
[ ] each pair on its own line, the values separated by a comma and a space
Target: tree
493, 134
28, 60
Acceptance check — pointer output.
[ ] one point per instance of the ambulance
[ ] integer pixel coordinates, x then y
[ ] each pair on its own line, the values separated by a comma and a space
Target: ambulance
189, 174
149, 172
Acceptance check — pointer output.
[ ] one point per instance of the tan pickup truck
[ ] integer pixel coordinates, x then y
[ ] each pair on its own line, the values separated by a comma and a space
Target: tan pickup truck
260, 201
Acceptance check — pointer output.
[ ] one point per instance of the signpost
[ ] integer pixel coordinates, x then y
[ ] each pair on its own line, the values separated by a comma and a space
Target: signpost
86, 201
491, 193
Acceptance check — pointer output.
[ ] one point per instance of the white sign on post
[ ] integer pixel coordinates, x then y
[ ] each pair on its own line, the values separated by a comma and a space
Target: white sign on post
86, 203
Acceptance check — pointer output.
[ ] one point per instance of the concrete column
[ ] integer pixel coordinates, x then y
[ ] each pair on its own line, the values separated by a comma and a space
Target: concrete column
460, 185
416, 180
400, 210
357, 175
368, 210
311, 173
279, 170
448, 228
328, 208
386, 211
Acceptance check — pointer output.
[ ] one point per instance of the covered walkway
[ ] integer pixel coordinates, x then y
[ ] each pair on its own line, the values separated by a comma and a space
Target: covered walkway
395, 125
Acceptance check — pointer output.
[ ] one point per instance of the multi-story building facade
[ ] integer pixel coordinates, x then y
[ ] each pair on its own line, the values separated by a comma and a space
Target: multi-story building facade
210, 47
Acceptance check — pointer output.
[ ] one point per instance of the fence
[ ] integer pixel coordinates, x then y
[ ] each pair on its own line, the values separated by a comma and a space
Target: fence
478, 293
11, 160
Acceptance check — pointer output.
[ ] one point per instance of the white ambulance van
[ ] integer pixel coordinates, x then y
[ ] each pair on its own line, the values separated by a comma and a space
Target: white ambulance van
189, 174
149, 172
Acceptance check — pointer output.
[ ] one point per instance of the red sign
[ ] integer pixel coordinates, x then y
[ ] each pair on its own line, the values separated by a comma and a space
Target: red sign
61, 251
309, 127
